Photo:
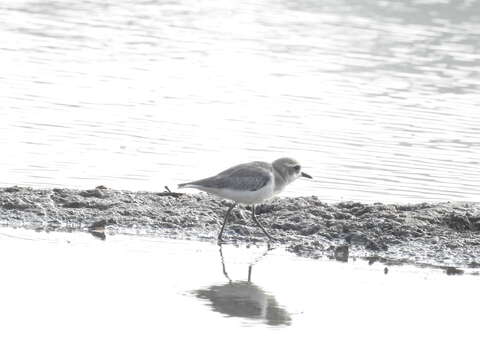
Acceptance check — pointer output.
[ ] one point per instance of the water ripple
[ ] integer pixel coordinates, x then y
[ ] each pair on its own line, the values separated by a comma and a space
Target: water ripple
378, 99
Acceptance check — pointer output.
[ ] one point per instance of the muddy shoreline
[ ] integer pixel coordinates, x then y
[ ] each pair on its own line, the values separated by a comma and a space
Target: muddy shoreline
445, 235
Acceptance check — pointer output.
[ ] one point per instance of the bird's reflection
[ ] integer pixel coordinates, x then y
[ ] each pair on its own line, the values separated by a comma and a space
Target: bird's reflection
244, 299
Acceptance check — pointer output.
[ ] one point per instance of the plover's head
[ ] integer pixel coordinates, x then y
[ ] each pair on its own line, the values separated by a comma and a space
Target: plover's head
289, 169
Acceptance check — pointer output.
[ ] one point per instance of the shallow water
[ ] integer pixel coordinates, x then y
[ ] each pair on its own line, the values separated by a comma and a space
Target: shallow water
73, 296
379, 100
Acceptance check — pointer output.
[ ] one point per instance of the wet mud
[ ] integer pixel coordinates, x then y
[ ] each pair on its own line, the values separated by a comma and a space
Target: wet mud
444, 235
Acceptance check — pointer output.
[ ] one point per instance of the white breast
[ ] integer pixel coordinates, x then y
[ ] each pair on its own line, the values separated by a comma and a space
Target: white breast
245, 196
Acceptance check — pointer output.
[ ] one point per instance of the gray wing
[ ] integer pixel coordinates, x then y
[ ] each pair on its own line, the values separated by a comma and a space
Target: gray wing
251, 176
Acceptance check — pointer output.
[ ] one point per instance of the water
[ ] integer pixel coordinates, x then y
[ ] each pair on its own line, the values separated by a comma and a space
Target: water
378, 99
70, 296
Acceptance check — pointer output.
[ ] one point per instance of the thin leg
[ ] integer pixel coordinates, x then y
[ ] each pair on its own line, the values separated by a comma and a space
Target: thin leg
224, 268
225, 221
258, 223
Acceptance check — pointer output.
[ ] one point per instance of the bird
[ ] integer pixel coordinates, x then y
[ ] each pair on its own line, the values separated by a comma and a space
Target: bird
250, 184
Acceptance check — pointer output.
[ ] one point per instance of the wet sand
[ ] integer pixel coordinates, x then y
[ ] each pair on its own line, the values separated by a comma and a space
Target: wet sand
445, 235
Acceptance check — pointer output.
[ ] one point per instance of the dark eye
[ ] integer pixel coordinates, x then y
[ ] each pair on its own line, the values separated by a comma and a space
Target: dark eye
297, 168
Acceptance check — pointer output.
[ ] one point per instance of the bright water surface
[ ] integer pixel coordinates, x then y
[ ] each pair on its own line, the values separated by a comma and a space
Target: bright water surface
380, 100
71, 296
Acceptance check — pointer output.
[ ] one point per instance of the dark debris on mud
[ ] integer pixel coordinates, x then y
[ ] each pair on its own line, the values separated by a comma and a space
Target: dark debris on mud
444, 235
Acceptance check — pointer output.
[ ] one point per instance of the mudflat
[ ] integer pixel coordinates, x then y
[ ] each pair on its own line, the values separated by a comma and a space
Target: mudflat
445, 235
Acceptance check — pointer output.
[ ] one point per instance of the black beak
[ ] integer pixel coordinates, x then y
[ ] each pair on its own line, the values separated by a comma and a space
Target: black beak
305, 175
